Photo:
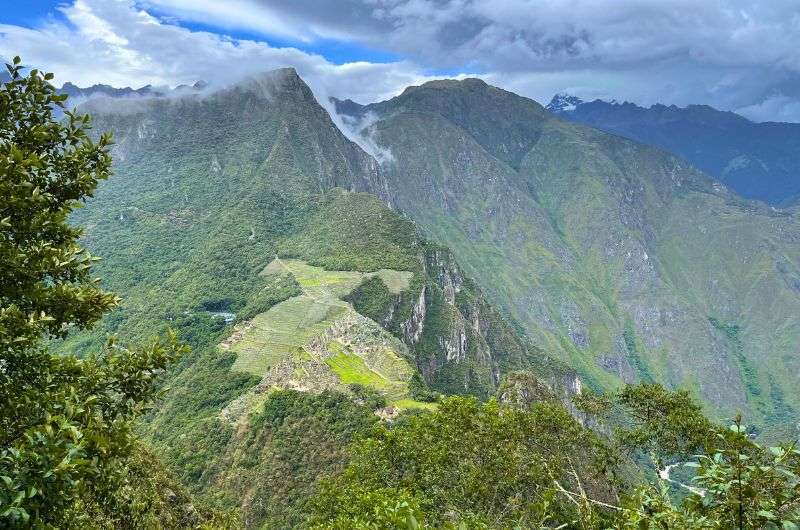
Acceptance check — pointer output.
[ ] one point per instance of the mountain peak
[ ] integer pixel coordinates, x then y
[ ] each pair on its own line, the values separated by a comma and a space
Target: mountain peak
279, 81
470, 83
563, 102
347, 107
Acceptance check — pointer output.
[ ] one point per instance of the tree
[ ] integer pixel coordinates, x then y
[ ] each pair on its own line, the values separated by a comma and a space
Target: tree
737, 484
480, 465
665, 425
65, 422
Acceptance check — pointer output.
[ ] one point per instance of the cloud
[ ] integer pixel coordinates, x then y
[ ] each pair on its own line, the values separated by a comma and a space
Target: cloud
728, 53
773, 108
542, 35
733, 54
118, 43
361, 131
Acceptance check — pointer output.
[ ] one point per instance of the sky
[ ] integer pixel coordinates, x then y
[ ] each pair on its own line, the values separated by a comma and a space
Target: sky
734, 55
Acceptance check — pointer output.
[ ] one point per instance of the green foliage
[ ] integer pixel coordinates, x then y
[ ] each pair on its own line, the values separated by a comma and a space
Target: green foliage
368, 509
296, 439
364, 395
65, 423
663, 424
372, 299
352, 231
420, 391
149, 497
477, 464
738, 484
592, 404
47, 168
472, 465
747, 486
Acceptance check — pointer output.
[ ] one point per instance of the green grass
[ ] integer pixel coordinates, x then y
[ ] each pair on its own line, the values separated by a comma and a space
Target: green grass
408, 403
352, 369
381, 370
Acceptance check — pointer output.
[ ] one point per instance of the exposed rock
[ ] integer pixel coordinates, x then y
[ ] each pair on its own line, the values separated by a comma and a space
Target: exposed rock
413, 327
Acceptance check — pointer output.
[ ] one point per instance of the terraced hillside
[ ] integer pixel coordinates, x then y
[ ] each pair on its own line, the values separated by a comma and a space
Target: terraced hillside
621, 259
316, 341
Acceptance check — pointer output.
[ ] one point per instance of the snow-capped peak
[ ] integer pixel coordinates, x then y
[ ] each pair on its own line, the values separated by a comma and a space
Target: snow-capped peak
563, 103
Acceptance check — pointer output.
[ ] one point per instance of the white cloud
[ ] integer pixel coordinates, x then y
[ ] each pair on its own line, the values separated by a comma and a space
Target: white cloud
728, 53
773, 108
118, 43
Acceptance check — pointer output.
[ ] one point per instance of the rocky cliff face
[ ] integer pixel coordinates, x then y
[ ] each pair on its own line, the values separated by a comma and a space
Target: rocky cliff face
459, 342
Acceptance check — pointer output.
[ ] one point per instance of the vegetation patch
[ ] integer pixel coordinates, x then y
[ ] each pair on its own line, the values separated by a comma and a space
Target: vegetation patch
747, 371
638, 364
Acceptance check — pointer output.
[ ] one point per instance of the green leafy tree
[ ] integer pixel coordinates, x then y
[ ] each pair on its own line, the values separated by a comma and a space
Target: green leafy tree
737, 484
65, 422
480, 465
664, 425
744, 485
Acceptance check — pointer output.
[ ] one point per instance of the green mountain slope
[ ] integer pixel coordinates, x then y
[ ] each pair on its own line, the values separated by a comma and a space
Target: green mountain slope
621, 259
234, 217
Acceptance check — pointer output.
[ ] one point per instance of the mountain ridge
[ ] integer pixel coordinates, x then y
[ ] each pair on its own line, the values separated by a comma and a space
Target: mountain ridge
528, 215
755, 159
597, 219
514, 241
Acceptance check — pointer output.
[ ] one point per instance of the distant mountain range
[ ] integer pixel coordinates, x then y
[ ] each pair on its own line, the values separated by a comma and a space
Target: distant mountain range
74, 91
619, 259
758, 160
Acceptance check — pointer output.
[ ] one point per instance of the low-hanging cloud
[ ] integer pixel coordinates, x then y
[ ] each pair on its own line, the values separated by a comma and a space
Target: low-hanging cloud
118, 43
361, 130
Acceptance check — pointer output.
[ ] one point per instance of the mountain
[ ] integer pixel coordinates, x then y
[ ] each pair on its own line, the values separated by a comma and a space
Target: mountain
237, 217
99, 90
621, 259
758, 160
